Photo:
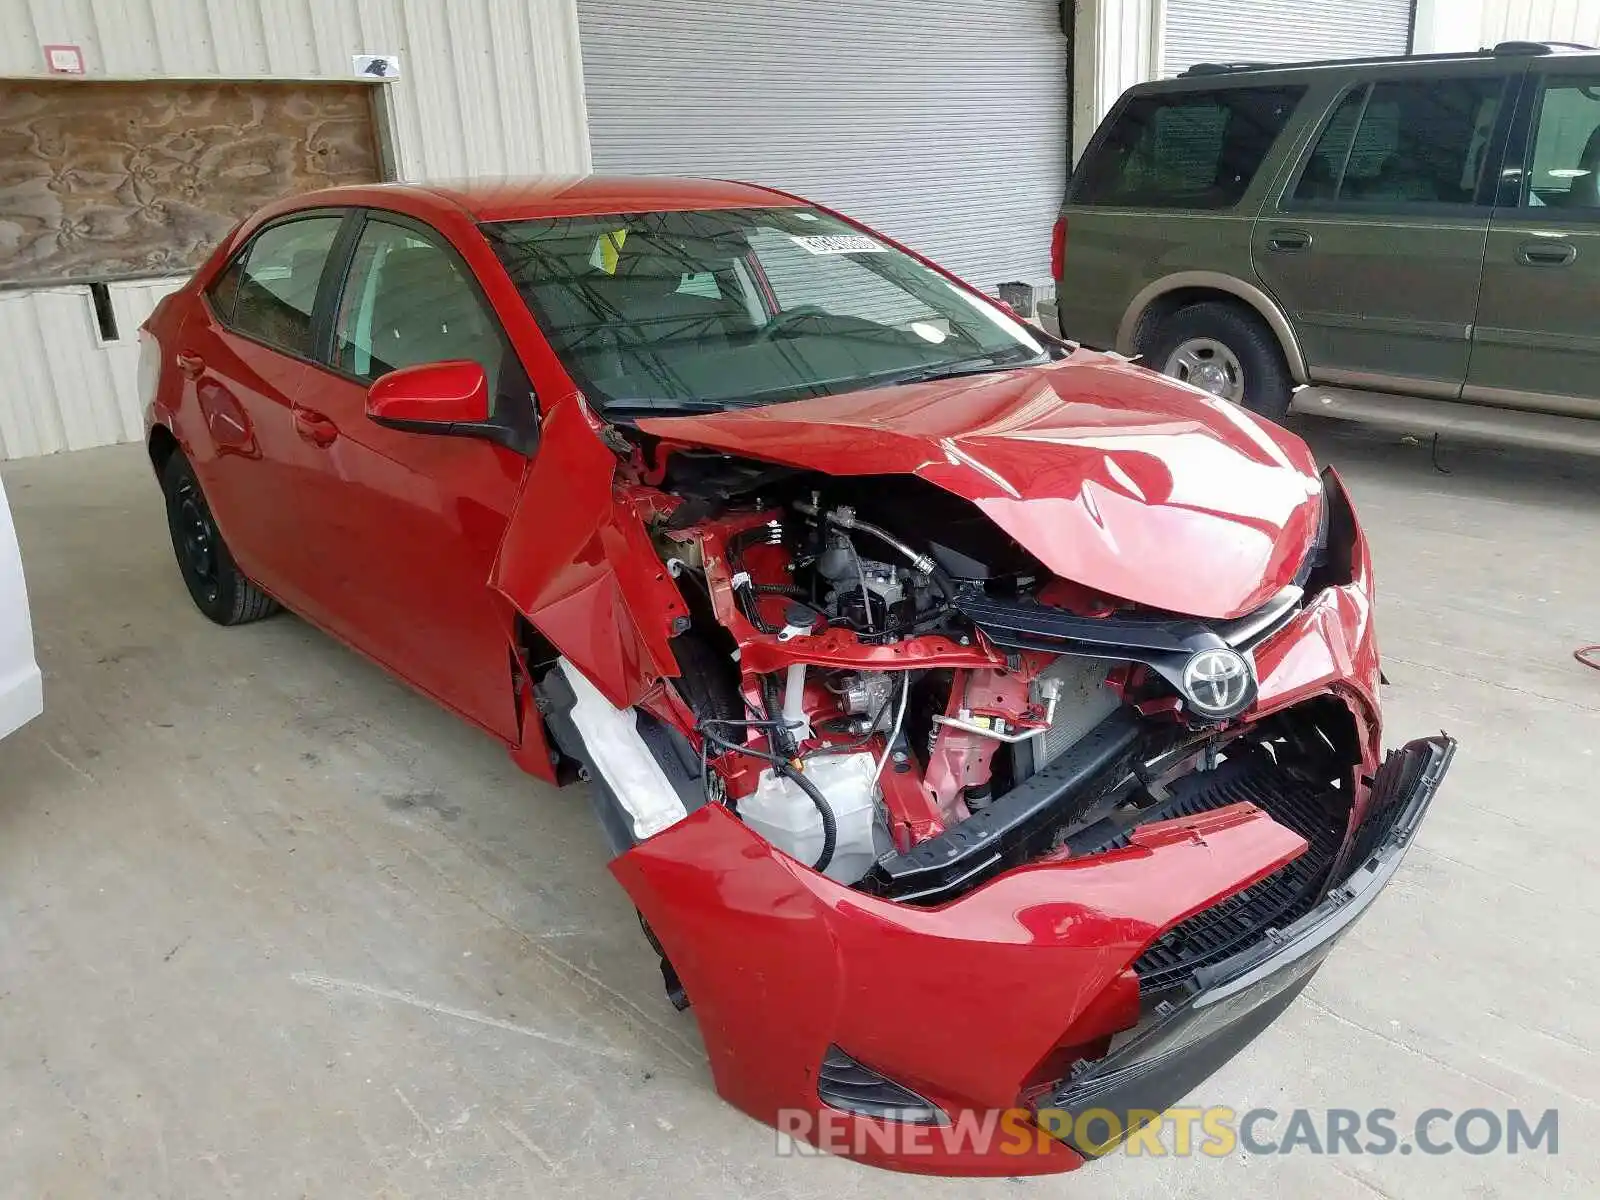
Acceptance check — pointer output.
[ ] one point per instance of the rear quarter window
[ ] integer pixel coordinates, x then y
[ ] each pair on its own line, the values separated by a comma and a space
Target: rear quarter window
1185, 149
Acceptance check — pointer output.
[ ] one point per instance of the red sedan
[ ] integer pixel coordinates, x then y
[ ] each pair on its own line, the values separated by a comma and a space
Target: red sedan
981, 724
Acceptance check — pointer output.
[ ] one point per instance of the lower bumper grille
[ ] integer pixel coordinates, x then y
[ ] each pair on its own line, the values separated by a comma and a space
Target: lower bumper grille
1397, 779
1314, 811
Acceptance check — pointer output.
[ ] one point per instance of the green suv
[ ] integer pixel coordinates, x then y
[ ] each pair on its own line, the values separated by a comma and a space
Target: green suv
1415, 239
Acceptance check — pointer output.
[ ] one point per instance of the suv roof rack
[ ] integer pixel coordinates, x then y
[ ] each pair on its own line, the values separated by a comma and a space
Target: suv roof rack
1506, 49
1503, 50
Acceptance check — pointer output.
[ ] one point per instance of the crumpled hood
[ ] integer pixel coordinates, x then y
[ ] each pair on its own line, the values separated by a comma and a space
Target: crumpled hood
1111, 475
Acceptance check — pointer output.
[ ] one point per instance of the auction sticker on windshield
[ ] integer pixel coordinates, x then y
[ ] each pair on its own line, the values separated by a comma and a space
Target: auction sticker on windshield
837, 244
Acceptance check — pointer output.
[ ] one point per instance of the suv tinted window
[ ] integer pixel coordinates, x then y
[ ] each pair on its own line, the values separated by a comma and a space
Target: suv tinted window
277, 286
1422, 141
1566, 148
1185, 150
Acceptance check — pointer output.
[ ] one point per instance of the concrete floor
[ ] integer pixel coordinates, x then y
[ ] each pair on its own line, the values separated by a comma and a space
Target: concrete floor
272, 925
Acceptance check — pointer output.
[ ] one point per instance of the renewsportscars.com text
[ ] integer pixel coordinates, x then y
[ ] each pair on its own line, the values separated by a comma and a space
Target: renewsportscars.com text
1184, 1132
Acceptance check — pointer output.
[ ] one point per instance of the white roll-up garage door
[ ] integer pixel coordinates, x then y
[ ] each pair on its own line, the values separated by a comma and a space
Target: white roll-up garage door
941, 122
1199, 31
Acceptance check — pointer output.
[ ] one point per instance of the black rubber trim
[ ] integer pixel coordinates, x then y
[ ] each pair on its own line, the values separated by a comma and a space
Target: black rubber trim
1161, 640
1155, 1091
1028, 625
1010, 830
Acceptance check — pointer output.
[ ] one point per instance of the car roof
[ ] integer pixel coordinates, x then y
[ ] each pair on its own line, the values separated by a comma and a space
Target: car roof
511, 198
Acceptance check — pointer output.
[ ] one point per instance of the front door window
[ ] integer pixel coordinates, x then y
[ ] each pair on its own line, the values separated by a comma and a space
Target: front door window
407, 302
1566, 147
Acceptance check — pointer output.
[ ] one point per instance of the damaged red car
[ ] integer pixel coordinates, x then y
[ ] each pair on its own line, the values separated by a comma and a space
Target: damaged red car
979, 723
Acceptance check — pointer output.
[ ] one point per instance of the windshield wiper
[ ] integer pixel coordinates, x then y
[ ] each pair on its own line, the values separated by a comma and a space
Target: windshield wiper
965, 366
629, 409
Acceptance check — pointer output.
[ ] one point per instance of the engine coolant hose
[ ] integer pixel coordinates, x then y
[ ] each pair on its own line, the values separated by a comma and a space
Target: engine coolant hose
830, 827
782, 766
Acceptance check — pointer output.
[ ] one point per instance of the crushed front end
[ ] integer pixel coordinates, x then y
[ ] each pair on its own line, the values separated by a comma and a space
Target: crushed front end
923, 830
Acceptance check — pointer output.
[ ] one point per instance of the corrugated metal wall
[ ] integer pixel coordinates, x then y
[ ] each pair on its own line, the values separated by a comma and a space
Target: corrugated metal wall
1541, 20
488, 87
940, 122
65, 389
1280, 31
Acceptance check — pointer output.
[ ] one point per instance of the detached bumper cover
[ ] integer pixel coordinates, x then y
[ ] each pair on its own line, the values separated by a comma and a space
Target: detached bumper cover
1234, 1000
959, 1004
962, 1004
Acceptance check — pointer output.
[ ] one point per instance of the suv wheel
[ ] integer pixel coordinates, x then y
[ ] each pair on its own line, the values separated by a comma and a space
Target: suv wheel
1221, 349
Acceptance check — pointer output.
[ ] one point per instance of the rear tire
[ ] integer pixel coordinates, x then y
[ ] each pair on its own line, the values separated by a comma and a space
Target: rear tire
216, 585
1224, 341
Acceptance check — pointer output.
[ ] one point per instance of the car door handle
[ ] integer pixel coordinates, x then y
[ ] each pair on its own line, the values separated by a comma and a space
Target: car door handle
189, 363
1287, 240
1547, 254
315, 427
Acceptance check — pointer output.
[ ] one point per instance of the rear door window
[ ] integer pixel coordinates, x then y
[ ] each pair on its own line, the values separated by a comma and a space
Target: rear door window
1401, 143
272, 296
1184, 150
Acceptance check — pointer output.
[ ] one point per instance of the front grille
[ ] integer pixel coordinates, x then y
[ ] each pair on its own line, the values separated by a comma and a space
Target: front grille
1315, 811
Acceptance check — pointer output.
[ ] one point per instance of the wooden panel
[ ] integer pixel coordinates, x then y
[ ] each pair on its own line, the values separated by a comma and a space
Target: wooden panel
99, 180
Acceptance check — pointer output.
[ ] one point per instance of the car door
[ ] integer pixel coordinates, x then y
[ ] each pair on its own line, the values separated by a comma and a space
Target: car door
404, 527
245, 354
1375, 246
1536, 342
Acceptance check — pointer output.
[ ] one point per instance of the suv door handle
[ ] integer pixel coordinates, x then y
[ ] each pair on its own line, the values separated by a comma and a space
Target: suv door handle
190, 363
1288, 240
315, 427
1547, 254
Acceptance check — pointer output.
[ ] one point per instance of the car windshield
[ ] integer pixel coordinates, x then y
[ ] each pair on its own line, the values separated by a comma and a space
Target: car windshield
708, 310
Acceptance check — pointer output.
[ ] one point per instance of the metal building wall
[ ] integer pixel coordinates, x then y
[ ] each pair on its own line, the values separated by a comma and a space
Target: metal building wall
65, 388
488, 87
1541, 20
1195, 31
1115, 44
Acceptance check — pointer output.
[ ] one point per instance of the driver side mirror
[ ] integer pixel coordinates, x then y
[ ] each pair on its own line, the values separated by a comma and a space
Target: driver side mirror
440, 398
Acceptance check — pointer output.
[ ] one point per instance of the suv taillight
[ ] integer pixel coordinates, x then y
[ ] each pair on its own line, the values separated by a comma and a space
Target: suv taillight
1058, 249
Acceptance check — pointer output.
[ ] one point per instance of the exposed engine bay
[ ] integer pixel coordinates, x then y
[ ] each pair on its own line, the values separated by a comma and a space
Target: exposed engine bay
888, 688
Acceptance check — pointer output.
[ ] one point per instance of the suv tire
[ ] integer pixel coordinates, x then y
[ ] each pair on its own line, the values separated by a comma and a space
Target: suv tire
1214, 331
216, 585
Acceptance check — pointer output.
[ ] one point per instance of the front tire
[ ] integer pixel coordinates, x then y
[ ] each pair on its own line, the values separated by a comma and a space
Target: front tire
216, 585
1222, 349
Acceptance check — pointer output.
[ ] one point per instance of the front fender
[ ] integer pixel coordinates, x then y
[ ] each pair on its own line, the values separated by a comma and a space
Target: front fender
577, 562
